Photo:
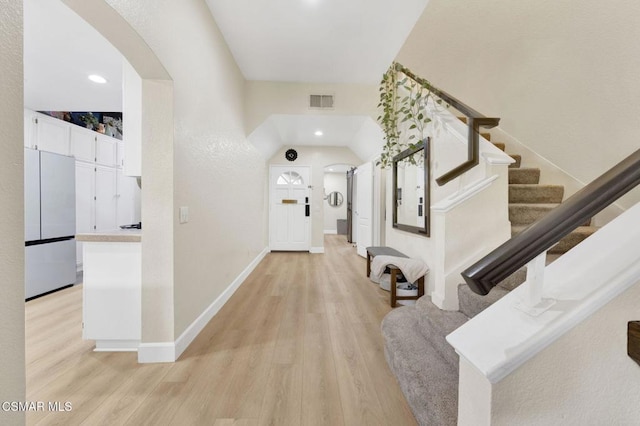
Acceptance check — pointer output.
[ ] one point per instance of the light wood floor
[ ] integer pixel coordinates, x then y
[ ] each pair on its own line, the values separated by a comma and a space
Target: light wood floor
298, 344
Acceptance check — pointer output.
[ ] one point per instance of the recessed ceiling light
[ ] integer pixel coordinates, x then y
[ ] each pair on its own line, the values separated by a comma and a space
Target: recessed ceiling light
97, 79
318, 133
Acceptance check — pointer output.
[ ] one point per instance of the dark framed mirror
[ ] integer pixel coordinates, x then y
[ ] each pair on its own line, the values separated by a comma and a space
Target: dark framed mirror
411, 201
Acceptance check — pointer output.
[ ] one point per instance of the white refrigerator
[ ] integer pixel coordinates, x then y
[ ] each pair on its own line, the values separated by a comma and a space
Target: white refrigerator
50, 222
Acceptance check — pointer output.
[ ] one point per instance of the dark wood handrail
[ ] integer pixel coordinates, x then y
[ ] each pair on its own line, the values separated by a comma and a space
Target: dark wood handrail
539, 237
475, 120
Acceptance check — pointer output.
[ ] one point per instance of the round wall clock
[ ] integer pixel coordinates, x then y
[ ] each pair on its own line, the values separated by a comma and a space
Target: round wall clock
291, 154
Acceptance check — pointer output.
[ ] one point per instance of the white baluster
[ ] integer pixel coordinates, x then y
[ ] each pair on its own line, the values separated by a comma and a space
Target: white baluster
533, 303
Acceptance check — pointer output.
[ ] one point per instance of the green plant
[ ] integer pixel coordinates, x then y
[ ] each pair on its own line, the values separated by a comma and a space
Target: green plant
404, 117
90, 119
389, 117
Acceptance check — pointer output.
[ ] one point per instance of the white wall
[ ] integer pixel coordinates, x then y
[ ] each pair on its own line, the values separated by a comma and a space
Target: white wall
334, 182
369, 139
561, 75
318, 157
468, 216
584, 378
265, 98
212, 161
157, 152
12, 359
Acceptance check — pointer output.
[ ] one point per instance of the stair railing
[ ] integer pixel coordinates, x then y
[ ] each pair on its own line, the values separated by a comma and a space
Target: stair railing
531, 244
475, 120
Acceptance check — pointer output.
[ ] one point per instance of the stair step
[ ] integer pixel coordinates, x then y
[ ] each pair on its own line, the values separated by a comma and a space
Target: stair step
524, 175
514, 280
499, 145
486, 135
471, 304
567, 243
527, 213
527, 193
435, 324
518, 162
428, 381
573, 239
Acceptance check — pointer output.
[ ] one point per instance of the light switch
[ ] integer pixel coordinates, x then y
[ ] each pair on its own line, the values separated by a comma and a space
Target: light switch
184, 214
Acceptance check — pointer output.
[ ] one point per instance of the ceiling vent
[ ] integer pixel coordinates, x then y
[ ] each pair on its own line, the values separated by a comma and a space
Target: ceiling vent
321, 101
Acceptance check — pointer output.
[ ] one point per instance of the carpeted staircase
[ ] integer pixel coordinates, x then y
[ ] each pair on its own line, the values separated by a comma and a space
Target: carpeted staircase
425, 365
530, 201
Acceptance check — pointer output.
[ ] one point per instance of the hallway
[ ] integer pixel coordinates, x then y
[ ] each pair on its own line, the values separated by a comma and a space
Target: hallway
298, 343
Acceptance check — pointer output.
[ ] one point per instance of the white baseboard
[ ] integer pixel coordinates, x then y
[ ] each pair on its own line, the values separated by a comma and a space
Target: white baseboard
316, 250
157, 352
196, 327
331, 231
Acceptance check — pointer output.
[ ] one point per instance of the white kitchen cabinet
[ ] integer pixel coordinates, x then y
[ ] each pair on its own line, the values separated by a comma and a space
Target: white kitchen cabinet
128, 200
106, 201
52, 135
96, 201
85, 203
119, 155
83, 144
112, 294
30, 128
105, 150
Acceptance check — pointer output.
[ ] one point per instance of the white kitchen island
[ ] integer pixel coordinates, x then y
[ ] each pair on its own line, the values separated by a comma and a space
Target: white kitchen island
111, 294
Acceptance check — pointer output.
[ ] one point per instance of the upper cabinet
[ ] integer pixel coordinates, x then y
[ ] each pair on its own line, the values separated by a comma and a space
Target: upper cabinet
106, 150
119, 155
83, 144
46, 133
30, 135
50, 134
87, 145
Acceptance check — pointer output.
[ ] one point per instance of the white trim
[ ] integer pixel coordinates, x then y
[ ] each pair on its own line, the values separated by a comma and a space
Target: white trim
156, 352
116, 345
460, 197
331, 231
501, 338
198, 325
498, 159
316, 250
171, 351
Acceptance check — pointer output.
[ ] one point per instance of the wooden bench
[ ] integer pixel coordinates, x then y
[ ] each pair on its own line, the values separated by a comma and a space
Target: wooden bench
388, 251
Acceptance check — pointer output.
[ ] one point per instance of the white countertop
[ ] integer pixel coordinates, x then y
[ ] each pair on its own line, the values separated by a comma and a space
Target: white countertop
115, 236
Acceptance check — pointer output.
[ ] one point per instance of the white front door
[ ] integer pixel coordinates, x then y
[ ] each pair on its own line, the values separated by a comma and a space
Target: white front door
290, 208
364, 208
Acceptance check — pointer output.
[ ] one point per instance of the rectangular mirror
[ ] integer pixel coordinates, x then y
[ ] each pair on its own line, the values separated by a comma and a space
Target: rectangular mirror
411, 209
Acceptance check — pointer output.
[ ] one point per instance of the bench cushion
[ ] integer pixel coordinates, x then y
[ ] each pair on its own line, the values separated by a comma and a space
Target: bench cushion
384, 251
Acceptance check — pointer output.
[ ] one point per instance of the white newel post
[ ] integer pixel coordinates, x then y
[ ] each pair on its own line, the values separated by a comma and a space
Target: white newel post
439, 234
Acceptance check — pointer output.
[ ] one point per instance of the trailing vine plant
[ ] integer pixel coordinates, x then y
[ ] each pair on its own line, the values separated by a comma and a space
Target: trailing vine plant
404, 115
388, 118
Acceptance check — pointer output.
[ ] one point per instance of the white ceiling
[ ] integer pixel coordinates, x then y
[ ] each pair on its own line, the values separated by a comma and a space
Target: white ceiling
300, 129
60, 51
331, 41
279, 40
